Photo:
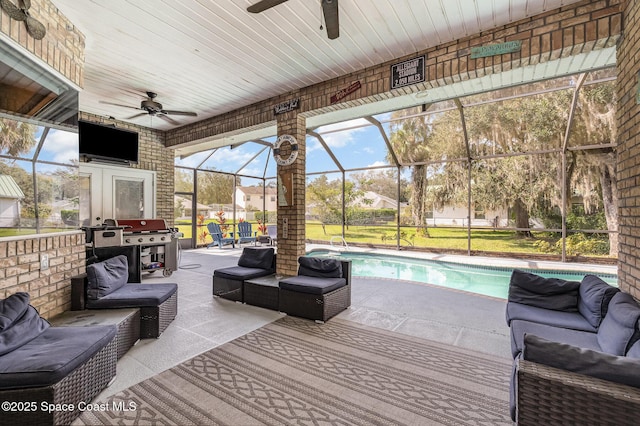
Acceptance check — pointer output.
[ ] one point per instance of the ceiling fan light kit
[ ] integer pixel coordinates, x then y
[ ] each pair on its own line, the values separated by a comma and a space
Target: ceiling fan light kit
329, 10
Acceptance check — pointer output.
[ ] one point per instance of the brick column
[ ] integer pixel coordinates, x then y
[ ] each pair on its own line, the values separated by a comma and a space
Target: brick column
628, 165
291, 243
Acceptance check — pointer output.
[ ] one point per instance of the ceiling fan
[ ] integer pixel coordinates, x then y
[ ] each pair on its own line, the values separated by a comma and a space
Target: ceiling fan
34, 27
329, 9
153, 108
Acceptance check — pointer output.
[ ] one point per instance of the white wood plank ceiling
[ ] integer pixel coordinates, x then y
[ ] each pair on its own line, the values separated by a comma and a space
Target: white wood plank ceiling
211, 57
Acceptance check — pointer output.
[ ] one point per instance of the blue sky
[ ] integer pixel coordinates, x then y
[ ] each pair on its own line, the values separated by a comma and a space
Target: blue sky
357, 146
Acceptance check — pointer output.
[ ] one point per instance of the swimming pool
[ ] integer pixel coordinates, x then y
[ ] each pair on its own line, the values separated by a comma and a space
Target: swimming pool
487, 280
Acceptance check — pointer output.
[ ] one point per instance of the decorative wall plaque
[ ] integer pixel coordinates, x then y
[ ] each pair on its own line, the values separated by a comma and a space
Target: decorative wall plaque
286, 106
346, 91
496, 49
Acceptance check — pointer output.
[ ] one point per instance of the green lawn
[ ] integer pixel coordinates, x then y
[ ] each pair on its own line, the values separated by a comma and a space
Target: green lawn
482, 240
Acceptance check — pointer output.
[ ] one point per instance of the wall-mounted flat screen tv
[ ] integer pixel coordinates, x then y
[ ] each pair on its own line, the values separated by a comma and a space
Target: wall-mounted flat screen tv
107, 143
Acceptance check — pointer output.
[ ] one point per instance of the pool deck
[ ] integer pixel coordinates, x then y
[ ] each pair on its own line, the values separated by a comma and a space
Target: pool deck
454, 317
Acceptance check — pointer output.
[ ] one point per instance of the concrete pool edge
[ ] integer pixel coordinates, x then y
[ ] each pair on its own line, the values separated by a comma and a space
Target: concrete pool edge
499, 262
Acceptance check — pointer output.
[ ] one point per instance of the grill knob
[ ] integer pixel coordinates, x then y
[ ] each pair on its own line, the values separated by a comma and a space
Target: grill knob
127, 240
151, 239
162, 238
140, 240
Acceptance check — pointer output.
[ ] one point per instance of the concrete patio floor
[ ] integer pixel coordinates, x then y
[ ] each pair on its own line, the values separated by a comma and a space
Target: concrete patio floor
203, 321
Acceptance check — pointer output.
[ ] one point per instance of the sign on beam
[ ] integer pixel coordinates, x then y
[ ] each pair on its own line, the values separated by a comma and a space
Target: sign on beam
407, 72
286, 106
496, 49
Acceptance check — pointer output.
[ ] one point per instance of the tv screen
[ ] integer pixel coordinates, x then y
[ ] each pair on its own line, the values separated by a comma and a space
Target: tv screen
108, 143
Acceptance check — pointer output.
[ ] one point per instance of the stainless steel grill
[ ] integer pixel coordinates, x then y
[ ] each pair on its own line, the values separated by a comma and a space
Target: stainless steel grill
157, 244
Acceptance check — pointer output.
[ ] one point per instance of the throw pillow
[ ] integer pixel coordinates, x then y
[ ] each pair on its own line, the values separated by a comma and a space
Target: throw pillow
252, 257
107, 276
594, 298
618, 330
547, 293
318, 267
21, 322
596, 364
12, 308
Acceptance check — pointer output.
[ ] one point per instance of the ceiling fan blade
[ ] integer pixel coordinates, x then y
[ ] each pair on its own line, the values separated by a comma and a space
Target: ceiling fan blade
330, 10
137, 115
263, 5
120, 105
13, 11
35, 28
167, 118
190, 114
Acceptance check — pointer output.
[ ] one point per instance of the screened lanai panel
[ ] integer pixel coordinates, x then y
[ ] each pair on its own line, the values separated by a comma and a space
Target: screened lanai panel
591, 212
261, 166
516, 203
433, 136
58, 196
232, 158
193, 160
58, 146
356, 144
183, 179
371, 205
323, 206
518, 125
318, 159
215, 202
594, 120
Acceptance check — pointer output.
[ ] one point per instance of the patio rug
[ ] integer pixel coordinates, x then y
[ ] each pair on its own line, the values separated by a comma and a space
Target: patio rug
294, 371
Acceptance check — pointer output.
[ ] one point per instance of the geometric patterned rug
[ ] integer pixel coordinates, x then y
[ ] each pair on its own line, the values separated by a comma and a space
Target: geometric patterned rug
294, 371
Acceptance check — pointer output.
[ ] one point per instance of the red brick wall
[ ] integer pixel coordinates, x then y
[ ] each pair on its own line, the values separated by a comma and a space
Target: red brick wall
628, 120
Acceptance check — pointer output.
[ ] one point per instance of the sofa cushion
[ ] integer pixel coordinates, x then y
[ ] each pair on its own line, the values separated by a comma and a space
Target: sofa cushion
135, 296
634, 351
519, 328
255, 257
618, 330
240, 273
592, 363
572, 320
312, 285
106, 276
19, 321
548, 293
594, 299
52, 355
318, 267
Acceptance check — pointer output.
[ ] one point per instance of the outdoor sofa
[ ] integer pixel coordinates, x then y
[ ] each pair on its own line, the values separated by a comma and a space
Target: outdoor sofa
321, 290
47, 373
254, 262
105, 286
576, 349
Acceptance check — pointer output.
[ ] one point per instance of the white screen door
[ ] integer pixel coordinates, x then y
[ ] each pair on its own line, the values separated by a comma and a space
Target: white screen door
118, 193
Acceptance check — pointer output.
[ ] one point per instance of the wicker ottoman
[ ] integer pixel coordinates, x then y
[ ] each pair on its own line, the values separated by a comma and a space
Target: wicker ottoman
263, 292
127, 321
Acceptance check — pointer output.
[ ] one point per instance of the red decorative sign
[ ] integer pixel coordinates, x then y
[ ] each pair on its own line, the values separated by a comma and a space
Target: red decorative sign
346, 91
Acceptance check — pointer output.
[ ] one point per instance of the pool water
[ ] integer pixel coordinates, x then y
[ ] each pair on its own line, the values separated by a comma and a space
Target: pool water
486, 280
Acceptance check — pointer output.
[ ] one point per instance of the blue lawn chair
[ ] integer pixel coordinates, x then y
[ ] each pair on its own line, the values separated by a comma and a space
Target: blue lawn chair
245, 234
216, 235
